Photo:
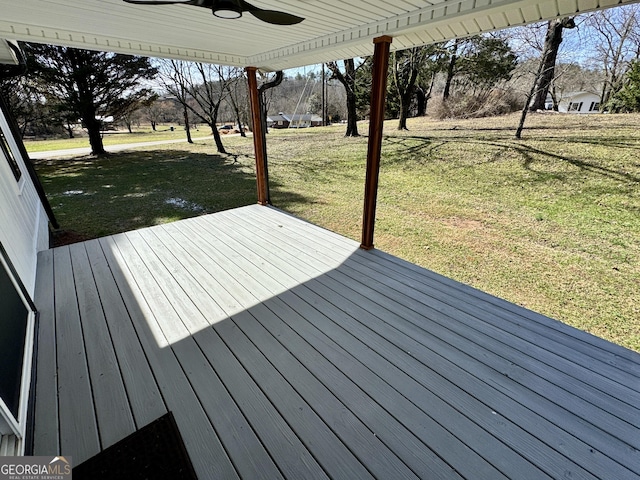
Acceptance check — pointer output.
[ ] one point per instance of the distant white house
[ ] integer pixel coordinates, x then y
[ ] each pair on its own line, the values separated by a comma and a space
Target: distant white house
577, 102
284, 120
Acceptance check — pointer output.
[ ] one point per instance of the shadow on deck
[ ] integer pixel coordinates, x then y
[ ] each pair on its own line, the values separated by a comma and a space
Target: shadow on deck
285, 351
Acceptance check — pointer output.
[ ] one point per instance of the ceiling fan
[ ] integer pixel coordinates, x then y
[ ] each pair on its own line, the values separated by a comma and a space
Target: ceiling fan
230, 9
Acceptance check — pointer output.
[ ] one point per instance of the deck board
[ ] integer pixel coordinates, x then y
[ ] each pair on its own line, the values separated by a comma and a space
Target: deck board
286, 352
522, 392
141, 386
78, 425
113, 412
46, 427
158, 326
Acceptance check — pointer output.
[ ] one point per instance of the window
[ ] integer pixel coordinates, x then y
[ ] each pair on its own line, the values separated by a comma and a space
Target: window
575, 106
8, 154
594, 107
17, 319
13, 330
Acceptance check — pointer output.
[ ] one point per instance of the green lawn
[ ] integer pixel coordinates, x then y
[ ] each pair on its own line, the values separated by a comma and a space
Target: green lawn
145, 134
551, 222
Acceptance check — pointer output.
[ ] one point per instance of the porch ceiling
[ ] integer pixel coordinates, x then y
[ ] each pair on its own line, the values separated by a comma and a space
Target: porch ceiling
333, 29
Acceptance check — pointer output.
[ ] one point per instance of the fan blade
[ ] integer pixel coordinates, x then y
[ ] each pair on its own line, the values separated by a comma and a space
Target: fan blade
275, 17
270, 16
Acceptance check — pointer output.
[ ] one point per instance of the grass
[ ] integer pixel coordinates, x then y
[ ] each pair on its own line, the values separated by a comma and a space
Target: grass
162, 132
551, 222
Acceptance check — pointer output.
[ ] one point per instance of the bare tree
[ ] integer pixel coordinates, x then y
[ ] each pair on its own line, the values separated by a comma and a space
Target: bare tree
537, 96
348, 80
616, 38
200, 88
451, 67
237, 90
552, 41
173, 75
152, 111
406, 65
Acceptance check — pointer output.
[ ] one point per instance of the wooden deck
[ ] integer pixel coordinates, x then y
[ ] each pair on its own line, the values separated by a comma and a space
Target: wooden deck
284, 351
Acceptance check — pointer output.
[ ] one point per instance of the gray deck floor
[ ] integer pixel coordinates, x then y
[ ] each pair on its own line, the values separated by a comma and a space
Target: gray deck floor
285, 351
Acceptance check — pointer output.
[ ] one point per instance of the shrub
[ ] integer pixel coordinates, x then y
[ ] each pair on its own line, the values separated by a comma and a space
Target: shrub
469, 105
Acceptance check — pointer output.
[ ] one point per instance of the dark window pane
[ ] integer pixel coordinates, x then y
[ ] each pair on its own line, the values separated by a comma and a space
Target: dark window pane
8, 154
13, 329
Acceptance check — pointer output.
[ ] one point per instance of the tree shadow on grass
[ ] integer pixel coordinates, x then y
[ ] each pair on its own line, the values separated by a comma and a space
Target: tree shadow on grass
427, 147
95, 197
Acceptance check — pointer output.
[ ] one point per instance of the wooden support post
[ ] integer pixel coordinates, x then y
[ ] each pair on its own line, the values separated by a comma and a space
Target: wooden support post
376, 121
258, 137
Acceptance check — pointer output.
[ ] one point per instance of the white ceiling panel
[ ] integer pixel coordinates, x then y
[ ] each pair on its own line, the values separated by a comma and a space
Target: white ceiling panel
331, 29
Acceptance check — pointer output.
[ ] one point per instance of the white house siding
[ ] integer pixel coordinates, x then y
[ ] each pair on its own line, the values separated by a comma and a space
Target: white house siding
23, 220
581, 102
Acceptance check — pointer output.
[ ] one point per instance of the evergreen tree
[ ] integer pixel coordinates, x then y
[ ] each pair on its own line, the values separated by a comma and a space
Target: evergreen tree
627, 99
87, 84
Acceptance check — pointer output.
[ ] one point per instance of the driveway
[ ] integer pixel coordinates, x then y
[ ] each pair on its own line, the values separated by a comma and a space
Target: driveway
73, 152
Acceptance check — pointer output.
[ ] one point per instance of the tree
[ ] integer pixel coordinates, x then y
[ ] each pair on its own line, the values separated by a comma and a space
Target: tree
451, 68
200, 88
616, 37
537, 97
627, 98
477, 64
546, 73
348, 80
173, 77
427, 75
237, 90
17, 90
89, 84
136, 111
153, 111
406, 65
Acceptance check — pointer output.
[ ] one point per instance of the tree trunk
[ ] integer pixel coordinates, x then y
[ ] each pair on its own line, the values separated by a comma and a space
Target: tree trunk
404, 113
424, 95
217, 139
552, 42
421, 98
70, 130
406, 94
554, 100
236, 110
153, 125
352, 110
187, 126
348, 81
352, 115
95, 140
525, 108
451, 71
93, 129
239, 120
